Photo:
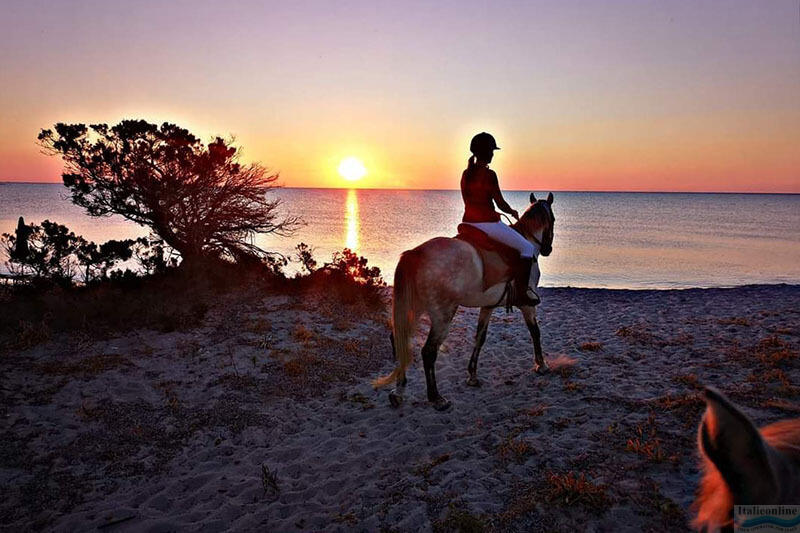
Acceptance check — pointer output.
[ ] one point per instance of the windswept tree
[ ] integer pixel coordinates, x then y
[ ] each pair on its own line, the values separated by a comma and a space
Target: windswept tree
199, 199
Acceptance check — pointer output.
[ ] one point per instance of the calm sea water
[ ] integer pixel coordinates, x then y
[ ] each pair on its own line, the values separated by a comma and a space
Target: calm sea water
618, 240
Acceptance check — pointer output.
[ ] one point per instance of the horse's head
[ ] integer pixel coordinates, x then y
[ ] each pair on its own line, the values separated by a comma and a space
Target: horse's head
743, 464
539, 217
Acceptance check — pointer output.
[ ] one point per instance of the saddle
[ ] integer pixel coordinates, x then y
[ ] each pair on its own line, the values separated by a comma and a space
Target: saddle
497, 258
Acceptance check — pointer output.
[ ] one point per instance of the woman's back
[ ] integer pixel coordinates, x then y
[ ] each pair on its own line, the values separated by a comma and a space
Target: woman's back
478, 188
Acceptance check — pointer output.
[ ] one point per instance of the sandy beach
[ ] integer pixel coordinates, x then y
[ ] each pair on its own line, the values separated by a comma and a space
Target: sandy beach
263, 418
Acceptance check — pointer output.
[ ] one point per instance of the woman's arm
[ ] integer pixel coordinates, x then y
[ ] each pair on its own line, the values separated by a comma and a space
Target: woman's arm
499, 201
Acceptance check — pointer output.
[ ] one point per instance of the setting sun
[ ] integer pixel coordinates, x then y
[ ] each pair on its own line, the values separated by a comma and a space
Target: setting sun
352, 169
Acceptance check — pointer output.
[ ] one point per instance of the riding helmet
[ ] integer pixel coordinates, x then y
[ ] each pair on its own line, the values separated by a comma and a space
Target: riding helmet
482, 143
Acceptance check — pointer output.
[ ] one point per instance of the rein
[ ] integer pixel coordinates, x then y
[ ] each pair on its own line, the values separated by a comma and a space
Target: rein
516, 227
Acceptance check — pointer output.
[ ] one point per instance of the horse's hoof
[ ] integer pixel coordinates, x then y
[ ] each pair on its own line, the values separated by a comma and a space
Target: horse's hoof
395, 399
541, 369
441, 404
473, 381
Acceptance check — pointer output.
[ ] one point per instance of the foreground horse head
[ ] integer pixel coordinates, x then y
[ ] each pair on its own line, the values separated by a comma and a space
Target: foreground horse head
441, 274
743, 465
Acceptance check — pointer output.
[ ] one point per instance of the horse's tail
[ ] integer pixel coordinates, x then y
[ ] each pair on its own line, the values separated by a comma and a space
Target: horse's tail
404, 314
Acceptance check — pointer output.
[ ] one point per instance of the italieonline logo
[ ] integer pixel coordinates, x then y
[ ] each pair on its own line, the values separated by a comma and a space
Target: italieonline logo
766, 518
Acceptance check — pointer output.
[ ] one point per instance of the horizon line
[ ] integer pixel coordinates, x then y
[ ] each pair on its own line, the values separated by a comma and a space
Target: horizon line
601, 191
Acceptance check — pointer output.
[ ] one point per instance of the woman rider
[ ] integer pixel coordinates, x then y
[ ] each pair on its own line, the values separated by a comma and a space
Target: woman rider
479, 187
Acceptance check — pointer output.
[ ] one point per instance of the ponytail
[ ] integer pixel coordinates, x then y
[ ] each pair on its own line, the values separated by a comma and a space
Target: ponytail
472, 164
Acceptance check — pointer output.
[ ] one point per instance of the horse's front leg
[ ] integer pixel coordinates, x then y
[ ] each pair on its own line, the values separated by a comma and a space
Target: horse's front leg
540, 366
480, 338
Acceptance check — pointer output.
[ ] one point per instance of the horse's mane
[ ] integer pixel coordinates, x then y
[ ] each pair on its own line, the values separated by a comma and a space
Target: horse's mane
536, 216
714, 501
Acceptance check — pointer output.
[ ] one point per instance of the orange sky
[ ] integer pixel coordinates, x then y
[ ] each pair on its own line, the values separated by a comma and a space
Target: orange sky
663, 96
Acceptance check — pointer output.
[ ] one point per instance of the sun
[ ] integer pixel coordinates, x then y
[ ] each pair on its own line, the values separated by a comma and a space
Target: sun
352, 169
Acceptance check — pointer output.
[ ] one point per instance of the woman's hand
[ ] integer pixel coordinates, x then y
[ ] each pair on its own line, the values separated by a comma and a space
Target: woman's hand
514, 214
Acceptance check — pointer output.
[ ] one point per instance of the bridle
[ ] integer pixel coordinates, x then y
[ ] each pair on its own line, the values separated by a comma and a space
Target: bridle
547, 235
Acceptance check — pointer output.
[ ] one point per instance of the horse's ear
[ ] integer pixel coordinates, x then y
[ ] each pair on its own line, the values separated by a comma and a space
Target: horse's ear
533, 198
731, 441
550, 198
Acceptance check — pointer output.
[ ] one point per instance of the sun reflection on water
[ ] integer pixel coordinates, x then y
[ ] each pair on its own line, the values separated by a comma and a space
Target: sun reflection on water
351, 221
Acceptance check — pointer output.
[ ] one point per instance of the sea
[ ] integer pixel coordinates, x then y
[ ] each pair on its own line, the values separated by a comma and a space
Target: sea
602, 240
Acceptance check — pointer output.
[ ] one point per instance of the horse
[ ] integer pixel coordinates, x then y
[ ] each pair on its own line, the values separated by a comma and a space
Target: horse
743, 464
442, 274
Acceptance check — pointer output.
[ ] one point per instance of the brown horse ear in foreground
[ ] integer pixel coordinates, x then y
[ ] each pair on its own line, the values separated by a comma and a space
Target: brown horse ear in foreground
743, 465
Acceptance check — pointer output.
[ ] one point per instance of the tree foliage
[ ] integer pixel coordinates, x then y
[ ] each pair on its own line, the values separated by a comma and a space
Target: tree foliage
51, 251
199, 199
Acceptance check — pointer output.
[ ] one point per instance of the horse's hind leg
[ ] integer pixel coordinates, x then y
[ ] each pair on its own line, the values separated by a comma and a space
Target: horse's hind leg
480, 338
440, 325
396, 395
540, 366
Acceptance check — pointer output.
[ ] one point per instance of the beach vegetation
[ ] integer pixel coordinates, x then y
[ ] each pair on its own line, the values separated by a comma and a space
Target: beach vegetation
25, 334
169, 298
305, 256
303, 335
48, 252
513, 449
347, 279
198, 198
689, 380
51, 253
591, 346
573, 488
733, 321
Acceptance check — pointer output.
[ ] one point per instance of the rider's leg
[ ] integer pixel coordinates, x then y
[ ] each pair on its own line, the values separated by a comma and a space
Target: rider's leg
523, 293
507, 235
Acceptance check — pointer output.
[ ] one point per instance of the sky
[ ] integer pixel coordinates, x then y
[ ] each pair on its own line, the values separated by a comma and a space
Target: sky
581, 95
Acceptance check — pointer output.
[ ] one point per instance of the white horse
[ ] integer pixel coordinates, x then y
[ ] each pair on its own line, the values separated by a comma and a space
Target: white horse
443, 273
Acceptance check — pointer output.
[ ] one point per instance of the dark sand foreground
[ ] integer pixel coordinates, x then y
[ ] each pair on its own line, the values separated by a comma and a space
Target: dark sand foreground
263, 418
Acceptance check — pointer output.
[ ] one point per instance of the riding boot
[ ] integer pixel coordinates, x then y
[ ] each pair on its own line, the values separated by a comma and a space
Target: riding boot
523, 294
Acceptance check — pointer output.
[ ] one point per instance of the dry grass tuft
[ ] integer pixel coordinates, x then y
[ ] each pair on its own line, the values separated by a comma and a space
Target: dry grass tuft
259, 326
299, 365
513, 449
536, 410
689, 380
564, 371
733, 321
591, 346
352, 346
269, 481
783, 405
640, 334
346, 518
29, 334
302, 334
647, 443
769, 360
572, 488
